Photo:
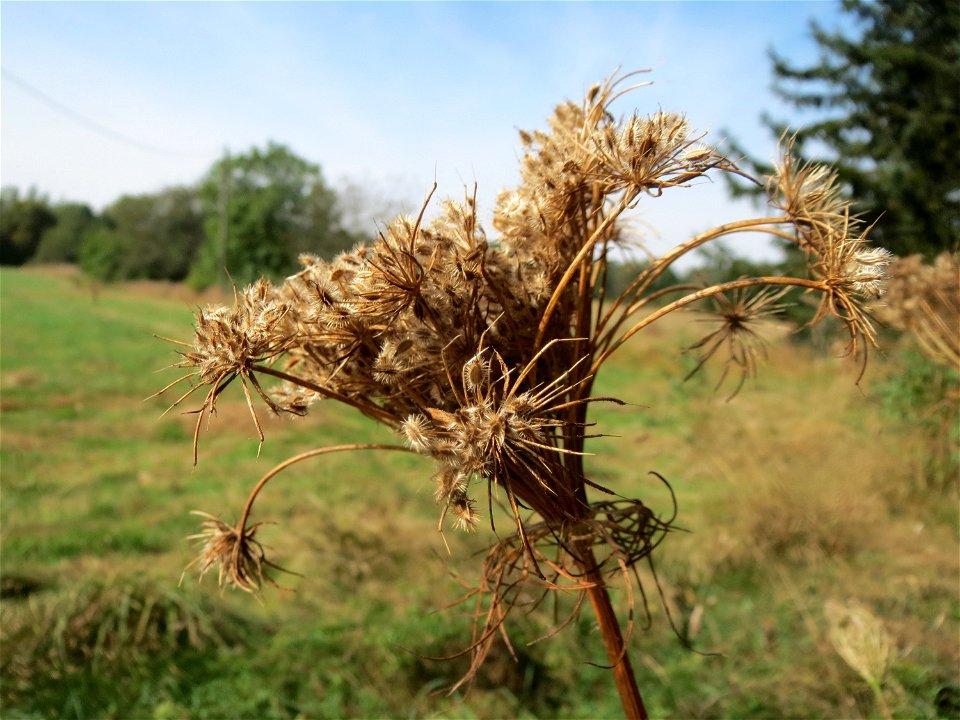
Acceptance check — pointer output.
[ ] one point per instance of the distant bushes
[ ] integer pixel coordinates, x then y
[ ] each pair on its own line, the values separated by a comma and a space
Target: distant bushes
23, 221
144, 236
252, 212
60, 243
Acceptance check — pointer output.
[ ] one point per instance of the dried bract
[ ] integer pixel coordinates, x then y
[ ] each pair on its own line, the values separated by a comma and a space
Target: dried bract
739, 313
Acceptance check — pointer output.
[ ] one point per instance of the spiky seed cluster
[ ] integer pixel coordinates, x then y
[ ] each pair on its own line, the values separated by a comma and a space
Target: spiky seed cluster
237, 555
230, 340
739, 313
496, 434
424, 328
866, 271
482, 355
653, 153
924, 300
405, 329
835, 242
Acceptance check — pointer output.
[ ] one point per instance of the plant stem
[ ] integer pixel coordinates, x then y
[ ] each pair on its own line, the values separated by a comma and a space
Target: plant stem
613, 639
304, 456
611, 345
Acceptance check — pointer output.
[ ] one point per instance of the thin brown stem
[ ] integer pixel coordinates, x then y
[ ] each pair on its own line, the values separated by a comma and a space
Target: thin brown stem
367, 408
621, 667
700, 295
596, 589
643, 281
304, 456
584, 252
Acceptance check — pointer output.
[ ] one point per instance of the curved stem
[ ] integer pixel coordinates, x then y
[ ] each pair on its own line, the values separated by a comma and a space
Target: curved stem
622, 669
584, 252
639, 286
699, 241
304, 456
700, 295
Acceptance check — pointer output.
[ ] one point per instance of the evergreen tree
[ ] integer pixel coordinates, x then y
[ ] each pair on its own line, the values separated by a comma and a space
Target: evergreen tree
889, 117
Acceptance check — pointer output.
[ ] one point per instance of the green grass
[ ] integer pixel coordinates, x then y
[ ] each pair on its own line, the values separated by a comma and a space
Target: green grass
797, 491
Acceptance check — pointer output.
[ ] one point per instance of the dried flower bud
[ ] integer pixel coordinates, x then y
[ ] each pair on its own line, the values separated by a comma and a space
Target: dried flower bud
866, 270
239, 556
418, 432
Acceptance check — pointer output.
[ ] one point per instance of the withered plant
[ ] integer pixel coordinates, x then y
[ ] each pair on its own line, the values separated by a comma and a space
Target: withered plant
860, 639
481, 354
924, 300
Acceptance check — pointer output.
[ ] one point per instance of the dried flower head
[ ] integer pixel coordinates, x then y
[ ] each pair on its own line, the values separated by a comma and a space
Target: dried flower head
237, 554
738, 314
923, 299
481, 355
866, 271
846, 270
229, 343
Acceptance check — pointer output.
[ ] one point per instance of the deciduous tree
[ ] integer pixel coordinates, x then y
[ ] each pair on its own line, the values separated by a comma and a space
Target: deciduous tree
154, 236
60, 243
275, 205
23, 220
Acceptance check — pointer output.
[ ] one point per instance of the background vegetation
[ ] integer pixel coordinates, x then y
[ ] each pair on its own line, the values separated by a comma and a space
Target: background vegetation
848, 493
832, 502
252, 214
882, 106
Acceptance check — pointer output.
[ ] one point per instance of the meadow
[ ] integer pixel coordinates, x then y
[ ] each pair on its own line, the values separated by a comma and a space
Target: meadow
800, 494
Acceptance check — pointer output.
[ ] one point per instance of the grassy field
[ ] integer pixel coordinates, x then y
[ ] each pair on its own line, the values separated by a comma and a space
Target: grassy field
799, 493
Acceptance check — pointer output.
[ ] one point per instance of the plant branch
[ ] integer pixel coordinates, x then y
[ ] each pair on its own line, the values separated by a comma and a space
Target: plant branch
367, 408
304, 456
660, 265
700, 295
584, 252
622, 669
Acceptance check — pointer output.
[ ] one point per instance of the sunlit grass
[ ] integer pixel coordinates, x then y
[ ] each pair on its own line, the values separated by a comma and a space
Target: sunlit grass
96, 488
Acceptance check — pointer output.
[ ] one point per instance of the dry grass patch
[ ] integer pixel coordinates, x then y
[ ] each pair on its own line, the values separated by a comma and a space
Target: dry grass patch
798, 486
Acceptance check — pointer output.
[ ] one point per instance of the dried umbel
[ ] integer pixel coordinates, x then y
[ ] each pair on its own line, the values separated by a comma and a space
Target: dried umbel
238, 556
860, 639
738, 313
481, 355
924, 300
228, 343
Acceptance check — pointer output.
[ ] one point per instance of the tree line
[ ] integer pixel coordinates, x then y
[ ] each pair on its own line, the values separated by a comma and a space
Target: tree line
252, 214
886, 102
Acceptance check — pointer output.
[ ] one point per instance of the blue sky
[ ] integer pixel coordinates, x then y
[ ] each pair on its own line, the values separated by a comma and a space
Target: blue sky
389, 95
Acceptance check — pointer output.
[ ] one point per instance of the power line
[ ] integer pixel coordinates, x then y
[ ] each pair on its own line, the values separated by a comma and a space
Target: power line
93, 125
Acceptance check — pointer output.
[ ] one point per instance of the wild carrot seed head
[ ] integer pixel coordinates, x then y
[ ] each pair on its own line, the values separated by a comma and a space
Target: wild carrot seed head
482, 353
